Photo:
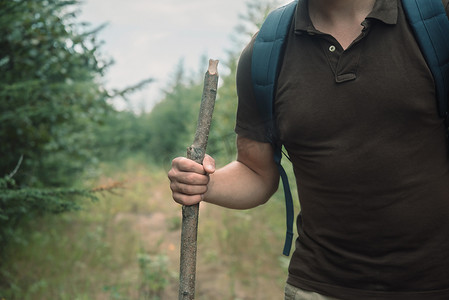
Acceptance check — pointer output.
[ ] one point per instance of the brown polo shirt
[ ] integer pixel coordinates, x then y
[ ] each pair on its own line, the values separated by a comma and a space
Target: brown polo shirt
369, 154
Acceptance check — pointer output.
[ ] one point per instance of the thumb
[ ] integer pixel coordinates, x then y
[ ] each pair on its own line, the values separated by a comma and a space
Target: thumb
209, 164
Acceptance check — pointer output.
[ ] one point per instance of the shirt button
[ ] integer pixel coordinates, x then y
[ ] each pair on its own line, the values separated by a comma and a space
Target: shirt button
332, 48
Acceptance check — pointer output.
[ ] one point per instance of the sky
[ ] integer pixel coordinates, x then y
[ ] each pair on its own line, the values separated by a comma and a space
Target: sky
148, 38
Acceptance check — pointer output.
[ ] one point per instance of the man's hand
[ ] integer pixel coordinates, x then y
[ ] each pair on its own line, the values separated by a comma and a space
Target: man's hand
244, 183
189, 180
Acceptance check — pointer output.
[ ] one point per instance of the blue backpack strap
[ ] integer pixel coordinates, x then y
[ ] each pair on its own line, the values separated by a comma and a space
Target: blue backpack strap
266, 60
431, 27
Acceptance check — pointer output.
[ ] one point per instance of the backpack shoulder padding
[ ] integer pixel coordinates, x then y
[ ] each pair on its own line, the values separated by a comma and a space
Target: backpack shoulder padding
430, 24
267, 56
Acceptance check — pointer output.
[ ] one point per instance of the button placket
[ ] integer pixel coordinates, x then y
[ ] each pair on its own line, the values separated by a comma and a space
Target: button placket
344, 63
331, 51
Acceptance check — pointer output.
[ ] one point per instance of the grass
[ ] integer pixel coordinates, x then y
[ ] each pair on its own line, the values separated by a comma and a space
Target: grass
126, 246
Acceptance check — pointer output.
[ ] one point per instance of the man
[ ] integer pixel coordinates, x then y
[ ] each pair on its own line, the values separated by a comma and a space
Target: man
355, 108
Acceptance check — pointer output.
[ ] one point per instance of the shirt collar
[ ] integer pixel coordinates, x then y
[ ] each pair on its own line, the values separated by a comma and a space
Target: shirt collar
385, 11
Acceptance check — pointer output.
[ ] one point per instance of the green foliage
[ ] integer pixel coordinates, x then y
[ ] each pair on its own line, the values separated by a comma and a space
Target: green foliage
155, 275
50, 102
49, 97
54, 248
172, 122
122, 135
17, 203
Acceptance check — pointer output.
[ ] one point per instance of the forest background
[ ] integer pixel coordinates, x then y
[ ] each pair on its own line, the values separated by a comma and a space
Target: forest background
85, 205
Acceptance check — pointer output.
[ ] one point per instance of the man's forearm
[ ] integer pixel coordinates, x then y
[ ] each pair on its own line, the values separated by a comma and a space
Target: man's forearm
239, 187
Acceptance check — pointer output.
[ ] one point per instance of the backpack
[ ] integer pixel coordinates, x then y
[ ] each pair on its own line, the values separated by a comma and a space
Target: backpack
430, 25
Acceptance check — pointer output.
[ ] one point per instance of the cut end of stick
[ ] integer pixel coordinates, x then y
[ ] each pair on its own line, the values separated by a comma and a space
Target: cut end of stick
212, 66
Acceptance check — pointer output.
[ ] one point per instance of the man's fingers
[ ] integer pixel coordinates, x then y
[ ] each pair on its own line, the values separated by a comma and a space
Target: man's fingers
187, 165
188, 177
187, 199
188, 189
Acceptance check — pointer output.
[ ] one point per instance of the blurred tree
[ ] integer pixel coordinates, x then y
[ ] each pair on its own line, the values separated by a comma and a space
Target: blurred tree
50, 96
123, 134
251, 20
172, 121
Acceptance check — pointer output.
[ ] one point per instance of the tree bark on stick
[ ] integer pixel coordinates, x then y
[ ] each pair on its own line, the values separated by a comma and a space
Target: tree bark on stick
196, 152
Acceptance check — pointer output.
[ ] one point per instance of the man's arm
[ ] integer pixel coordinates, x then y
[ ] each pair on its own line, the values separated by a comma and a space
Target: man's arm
245, 183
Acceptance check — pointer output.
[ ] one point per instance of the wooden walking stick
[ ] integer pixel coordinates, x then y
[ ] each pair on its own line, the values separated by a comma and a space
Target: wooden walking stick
196, 152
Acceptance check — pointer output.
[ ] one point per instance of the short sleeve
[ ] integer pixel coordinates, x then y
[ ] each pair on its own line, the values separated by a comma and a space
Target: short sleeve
248, 124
